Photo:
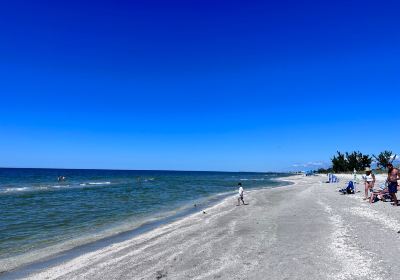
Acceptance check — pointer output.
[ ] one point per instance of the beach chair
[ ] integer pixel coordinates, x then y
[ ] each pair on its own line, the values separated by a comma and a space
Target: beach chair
382, 191
332, 178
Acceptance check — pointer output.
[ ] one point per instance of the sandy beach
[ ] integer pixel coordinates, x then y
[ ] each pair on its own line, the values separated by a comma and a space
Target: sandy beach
302, 231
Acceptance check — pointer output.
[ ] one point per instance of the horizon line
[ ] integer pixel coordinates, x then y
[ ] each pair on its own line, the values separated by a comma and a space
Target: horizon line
164, 170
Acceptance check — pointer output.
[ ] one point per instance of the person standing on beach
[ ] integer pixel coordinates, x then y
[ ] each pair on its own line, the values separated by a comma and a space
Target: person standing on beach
240, 198
369, 179
393, 176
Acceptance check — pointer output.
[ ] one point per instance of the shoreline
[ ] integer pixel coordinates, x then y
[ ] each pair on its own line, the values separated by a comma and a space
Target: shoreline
306, 230
70, 253
147, 225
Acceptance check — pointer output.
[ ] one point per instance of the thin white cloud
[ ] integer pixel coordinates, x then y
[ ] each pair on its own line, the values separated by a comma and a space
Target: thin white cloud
315, 163
310, 164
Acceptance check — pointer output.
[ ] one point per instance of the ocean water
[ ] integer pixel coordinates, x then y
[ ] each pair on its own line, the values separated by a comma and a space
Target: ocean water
38, 213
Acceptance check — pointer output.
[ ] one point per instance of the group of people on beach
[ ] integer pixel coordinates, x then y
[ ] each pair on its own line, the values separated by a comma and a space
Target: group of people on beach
391, 183
61, 178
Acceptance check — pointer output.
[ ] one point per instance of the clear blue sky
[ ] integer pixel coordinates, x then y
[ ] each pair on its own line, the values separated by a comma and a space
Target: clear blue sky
197, 85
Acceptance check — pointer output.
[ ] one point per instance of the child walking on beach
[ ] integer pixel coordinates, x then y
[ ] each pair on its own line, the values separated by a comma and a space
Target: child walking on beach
240, 198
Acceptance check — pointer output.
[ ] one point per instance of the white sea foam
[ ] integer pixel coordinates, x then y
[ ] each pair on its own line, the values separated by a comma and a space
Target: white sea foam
31, 189
59, 187
47, 188
11, 190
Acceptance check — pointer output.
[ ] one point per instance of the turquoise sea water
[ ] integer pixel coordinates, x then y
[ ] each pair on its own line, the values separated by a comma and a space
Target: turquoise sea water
38, 212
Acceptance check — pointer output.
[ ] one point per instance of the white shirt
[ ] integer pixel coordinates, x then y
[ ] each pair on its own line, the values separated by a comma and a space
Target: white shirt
369, 178
240, 191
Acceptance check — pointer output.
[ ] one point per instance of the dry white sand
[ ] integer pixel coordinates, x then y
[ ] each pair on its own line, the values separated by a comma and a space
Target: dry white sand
303, 231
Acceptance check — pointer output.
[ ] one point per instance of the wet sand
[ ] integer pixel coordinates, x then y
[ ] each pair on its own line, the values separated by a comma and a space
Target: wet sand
302, 231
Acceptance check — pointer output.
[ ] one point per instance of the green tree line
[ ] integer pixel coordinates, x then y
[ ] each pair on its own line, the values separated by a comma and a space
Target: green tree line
347, 162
